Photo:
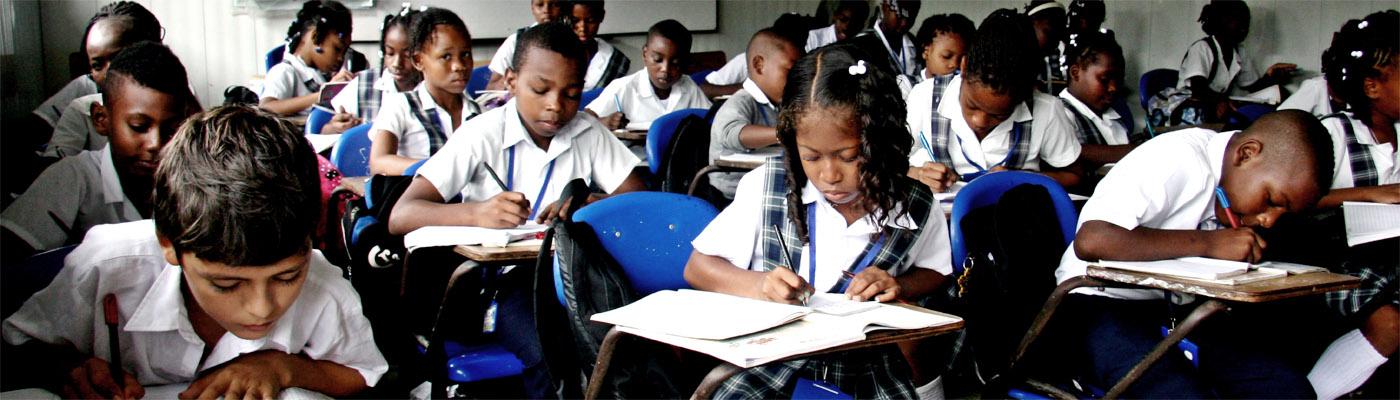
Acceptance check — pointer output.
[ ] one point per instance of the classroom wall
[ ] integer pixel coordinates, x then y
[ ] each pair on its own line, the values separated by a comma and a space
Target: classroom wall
223, 45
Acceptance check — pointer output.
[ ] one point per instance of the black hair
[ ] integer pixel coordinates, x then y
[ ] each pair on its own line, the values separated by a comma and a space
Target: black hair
860, 9
425, 22
1361, 50
402, 19
557, 37
595, 6
675, 32
942, 24
1003, 55
324, 16
1293, 136
237, 186
150, 65
1085, 48
844, 77
1092, 10
141, 24
1216, 12
793, 28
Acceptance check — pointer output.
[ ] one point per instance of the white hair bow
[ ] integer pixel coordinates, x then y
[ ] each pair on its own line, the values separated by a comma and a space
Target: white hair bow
856, 69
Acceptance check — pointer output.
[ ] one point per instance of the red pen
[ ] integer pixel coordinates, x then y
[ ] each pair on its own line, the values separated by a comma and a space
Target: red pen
110, 313
1225, 203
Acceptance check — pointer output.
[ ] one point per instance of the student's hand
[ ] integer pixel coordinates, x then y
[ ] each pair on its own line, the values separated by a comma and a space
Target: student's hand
93, 380
260, 375
937, 176
1385, 194
615, 121
505, 210
873, 284
1281, 71
781, 285
999, 168
1238, 244
343, 76
558, 210
341, 122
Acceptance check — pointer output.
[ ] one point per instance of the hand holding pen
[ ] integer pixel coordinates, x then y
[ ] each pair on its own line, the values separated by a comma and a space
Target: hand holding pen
505, 210
1234, 243
783, 284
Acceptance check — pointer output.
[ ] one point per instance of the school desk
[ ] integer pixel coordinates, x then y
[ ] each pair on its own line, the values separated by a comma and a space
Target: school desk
725, 370
630, 134
523, 252
1219, 296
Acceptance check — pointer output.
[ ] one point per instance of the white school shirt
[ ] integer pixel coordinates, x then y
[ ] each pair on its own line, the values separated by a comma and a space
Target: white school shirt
288, 79
396, 117
734, 72
639, 101
74, 132
598, 65
1109, 124
1240, 72
69, 198
821, 37
905, 58
1052, 135
1166, 183
1311, 97
583, 148
159, 345
52, 108
349, 98
748, 106
1385, 158
735, 233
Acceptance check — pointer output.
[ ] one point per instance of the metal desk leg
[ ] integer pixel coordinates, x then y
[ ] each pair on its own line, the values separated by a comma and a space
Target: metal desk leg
1193, 320
1051, 304
600, 367
690, 190
717, 376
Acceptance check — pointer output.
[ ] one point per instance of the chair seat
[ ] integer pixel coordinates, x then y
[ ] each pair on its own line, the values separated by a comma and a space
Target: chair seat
480, 362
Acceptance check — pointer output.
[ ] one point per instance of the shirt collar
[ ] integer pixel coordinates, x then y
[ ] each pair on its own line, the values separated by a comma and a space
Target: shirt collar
513, 130
304, 70
1109, 114
949, 107
1364, 135
385, 82
1215, 153
424, 97
643, 83
752, 88
163, 307
810, 195
111, 181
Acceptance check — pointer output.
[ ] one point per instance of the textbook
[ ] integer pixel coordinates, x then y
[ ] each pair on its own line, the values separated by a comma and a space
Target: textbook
433, 236
1369, 222
749, 332
1270, 95
757, 156
1209, 270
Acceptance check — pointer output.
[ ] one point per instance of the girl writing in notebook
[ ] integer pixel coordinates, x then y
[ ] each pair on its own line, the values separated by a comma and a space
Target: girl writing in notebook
837, 204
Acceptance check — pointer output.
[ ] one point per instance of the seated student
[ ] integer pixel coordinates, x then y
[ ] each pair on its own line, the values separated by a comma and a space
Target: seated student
889, 37
747, 120
1047, 19
944, 38
316, 46
361, 99
605, 63
848, 177
146, 95
222, 289
633, 101
414, 125
114, 27
730, 78
1364, 151
1095, 75
847, 20
1214, 65
1160, 202
990, 117
536, 143
544, 11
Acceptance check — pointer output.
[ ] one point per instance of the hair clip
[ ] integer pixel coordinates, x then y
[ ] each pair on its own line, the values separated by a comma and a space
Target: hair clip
1363, 24
856, 69
323, 19
1357, 53
405, 8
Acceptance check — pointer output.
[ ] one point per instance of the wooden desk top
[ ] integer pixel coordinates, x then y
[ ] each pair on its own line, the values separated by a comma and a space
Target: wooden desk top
525, 251
741, 164
628, 134
1255, 292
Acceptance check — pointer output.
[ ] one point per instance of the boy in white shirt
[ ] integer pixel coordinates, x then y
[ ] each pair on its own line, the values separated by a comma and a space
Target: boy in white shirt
847, 20
115, 25
543, 11
632, 102
746, 121
605, 63
222, 289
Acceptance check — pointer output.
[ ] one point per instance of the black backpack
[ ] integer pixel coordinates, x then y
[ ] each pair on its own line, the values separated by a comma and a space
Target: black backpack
375, 256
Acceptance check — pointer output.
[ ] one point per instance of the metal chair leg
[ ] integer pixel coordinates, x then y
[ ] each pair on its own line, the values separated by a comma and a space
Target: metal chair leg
1192, 321
600, 368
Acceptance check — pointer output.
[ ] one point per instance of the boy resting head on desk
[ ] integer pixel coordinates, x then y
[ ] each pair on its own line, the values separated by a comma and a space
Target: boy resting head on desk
222, 288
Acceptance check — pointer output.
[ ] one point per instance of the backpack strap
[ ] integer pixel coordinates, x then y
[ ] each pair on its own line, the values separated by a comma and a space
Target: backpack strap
1088, 132
1363, 168
429, 119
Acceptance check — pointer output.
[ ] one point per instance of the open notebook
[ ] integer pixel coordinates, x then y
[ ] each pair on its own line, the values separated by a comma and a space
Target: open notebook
1369, 222
433, 236
1210, 270
748, 332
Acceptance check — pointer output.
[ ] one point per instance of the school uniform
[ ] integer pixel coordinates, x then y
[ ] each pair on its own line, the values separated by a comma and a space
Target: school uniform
53, 107
607, 65
1169, 183
420, 124
639, 101
292, 78
1362, 162
820, 37
364, 95
1108, 128
500, 62
748, 106
1204, 59
734, 72
159, 345
1311, 97
1037, 133
740, 235
74, 132
70, 197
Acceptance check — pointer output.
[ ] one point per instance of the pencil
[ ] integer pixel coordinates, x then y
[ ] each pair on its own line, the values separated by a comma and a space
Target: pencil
495, 177
787, 259
1225, 203
110, 313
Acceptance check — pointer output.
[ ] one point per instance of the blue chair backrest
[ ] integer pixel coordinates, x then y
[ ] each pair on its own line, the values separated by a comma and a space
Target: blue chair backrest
1152, 82
986, 190
21, 280
480, 77
351, 153
649, 235
699, 76
588, 97
317, 120
273, 57
661, 132
1121, 106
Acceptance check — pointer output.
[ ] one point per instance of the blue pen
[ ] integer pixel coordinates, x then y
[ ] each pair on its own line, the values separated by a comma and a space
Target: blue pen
1225, 203
924, 142
618, 102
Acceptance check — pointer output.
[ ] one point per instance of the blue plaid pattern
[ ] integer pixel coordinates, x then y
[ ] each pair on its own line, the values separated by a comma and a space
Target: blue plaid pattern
1087, 131
879, 373
1363, 168
436, 133
1378, 286
943, 133
366, 95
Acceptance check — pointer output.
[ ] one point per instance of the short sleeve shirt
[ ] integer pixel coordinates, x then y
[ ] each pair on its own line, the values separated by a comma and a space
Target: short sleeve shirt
69, 198
639, 102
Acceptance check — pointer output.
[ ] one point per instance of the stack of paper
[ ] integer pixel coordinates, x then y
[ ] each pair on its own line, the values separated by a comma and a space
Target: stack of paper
1210, 270
433, 236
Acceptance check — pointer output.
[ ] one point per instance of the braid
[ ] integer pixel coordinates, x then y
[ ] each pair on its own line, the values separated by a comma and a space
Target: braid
139, 23
402, 19
322, 15
1003, 55
1361, 50
1085, 48
428, 20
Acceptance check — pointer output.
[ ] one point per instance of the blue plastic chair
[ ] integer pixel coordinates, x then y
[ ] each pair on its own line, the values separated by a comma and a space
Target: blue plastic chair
273, 57
317, 120
986, 190
699, 76
648, 234
480, 77
413, 169
660, 134
351, 152
588, 97
1152, 82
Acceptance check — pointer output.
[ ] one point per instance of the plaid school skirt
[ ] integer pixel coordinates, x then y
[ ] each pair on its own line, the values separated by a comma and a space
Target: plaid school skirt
879, 373
1376, 264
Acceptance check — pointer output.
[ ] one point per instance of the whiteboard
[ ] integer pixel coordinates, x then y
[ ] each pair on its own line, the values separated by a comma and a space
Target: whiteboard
496, 19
